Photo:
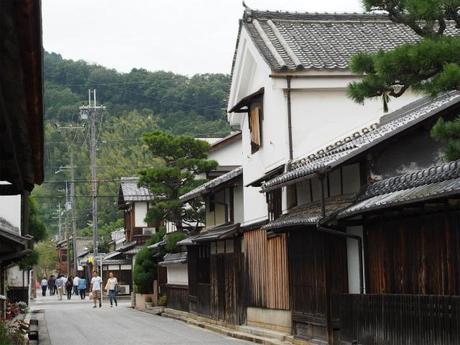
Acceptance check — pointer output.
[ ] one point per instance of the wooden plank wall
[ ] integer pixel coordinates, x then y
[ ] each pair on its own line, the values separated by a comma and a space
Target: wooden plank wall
318, 269
399, 319
227, 291
199, 293
414, 255
177, 297
267, 270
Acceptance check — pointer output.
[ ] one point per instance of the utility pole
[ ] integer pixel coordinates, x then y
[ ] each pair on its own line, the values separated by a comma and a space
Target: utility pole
60, 221
67, 206
73, 213
91, 112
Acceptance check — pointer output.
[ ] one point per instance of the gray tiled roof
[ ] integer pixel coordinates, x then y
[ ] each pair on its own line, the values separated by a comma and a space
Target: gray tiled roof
174, 258
308, 214
133, 251
389, 126
112, 255
210, 185
431, 183
296, 41
219, 232
130, 191
10, 232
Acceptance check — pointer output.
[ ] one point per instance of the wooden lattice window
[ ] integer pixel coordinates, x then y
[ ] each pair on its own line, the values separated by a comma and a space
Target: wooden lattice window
274, 204
203, 264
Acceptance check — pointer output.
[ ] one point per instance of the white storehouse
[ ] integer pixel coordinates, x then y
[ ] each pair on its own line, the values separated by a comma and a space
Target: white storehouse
288, 91
289, 97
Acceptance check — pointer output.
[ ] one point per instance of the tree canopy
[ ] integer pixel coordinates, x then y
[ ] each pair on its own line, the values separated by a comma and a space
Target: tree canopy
183, 160
430, 65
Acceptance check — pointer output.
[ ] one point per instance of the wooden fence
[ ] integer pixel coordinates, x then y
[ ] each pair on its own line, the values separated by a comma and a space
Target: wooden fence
398, 319
177, 296
200, 299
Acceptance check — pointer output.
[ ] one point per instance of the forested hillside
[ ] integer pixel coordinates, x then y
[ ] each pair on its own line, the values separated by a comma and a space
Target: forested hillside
135, 102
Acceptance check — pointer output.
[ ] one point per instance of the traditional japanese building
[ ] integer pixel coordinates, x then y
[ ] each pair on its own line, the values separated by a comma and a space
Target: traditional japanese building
21, 123
348, 242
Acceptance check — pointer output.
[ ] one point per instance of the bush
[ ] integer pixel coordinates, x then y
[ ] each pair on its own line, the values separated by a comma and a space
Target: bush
144, 270
171, 241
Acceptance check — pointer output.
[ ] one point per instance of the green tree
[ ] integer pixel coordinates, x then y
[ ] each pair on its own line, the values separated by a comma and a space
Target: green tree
47, 258
183, 160
144, 271
430, 66
36, 226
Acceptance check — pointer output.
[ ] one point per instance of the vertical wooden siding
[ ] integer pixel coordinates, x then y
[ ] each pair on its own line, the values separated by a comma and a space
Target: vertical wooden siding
267, 270
415, 255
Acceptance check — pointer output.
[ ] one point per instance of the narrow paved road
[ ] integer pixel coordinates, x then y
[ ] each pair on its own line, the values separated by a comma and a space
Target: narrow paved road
75, 322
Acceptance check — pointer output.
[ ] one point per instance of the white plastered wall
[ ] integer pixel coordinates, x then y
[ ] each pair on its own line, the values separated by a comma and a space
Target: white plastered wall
228, 155
140, 212
177, 274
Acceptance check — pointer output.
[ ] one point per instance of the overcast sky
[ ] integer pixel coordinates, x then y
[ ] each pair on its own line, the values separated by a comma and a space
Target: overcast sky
183, 36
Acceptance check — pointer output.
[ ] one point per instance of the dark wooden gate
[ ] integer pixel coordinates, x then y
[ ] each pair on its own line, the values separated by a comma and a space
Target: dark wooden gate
399, 319
227, 303
317, 264
199, 280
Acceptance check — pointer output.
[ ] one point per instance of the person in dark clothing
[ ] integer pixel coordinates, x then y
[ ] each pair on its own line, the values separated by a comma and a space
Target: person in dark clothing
69, 287
52, 285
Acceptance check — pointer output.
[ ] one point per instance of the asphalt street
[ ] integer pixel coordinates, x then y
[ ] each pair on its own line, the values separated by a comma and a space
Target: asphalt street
75, 322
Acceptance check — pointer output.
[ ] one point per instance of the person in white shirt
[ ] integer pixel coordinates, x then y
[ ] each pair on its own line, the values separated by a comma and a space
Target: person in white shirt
111, 288
96, 287
44, 285
76, 280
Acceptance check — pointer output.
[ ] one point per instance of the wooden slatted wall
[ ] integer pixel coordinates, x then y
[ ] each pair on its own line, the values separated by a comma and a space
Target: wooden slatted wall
414, 255
267, 270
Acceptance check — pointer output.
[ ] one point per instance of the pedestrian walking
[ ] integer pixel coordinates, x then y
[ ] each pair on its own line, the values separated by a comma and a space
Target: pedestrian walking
44, 285
96, 289
60, 285
52, 285
75, 284
111, 287
69, 287
82, 287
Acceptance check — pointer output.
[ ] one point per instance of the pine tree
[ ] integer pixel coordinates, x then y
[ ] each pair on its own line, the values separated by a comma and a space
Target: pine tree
183, 160
430, 66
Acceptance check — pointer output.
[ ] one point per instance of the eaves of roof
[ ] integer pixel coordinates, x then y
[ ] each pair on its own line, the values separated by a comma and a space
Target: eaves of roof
427, 184
211, 185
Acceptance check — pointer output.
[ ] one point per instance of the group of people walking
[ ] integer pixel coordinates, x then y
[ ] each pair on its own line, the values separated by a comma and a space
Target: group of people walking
64, 285
78, 286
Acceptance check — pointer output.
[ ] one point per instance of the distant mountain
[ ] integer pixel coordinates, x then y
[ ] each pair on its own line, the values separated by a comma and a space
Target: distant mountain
183, 105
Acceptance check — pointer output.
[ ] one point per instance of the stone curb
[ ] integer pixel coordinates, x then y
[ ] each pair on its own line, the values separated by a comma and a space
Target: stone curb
226, 331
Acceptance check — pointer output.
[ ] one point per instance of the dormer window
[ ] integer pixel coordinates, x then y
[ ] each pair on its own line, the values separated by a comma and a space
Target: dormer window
255, 124
253, 106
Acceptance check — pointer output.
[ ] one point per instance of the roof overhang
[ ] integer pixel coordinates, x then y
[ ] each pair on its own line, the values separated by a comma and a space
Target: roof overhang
212, 185
242, 105
21, 95
221, 232
267, 176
